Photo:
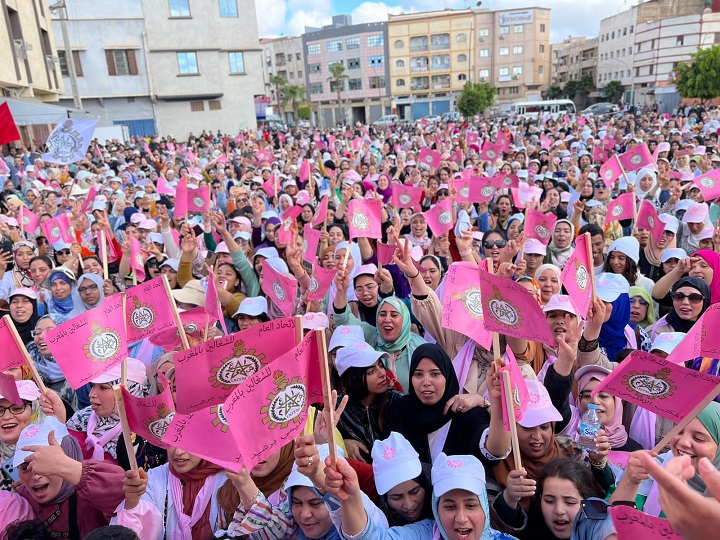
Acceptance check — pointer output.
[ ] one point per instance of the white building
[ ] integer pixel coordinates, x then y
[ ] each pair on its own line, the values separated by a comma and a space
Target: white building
283, 57
615, 50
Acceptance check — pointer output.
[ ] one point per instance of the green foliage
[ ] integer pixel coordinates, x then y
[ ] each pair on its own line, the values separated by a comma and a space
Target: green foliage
553, 92
293, 95
304, 112
613, 90
700, 78
337, 76
475, 98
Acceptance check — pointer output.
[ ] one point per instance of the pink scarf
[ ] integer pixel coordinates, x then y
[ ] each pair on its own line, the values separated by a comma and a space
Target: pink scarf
98, 444
185, 522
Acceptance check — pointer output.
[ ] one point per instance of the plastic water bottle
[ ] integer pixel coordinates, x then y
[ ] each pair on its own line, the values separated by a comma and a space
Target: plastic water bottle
589, 426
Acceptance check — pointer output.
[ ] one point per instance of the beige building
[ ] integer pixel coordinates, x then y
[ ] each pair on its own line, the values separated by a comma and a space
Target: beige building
574, 58
29, 68
282, 56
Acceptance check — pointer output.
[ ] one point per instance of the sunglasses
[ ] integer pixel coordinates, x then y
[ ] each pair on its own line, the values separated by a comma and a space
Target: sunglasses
638, 301
694, 298
64, 252
489, 244
443, 193
599, 186
597, 509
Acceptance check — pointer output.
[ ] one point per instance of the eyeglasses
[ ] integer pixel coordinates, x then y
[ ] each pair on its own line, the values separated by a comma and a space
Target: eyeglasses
443, 193
668, 233
15, 410
639, 301
63, 252
599, 186
242, 199
694, 298
38, 332
89, 288
597, 509
150, 264
489, 244
370, 287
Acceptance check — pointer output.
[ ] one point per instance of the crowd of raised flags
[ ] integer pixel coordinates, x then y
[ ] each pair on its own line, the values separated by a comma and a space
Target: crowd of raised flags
364, 332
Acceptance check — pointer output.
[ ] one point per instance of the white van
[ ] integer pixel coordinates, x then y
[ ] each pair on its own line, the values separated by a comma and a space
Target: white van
531, 109
387, 120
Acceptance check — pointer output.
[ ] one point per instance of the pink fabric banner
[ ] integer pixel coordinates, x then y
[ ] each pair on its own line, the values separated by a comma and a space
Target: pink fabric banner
288, 225
58, 228
198, 199
270, 410
87, 203
709, 184
208, 373
320, 215
440, 217
385, 253
520, 396
508, 309
637, 158
649, 220
576, 277
429, 157
404, 196
320, 282
181, 198
622, 207
632, 524
490, 152
658, 385
462, 308
213, 307
610, 171
12, 357
29, 220
148, 310
364, 218
8, 389
137, 259
280, 287
539, 225
90, 344
150, 417
311, 241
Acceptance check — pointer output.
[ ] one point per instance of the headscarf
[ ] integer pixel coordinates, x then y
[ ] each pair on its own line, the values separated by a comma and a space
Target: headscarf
713, 259
710, 418
650, 318
387, 192
672, 318
559, 256
653, 252
21, 278
535, 286
289, 198
63, 307
71, 448
615, 430
406, 339
25, 328
612, 332
642, 173
192, 482
82, 306
357, 262
154, 369
47, 366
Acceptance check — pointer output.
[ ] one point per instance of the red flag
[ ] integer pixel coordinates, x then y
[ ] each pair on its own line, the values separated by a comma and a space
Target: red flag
404, 196
637, 158
364, 218
623, 207
649, 220
610, 171
150, 417
440, 217
280, 287
462, 305
709, 184
8, 130
576, 276
148, 310
539, 225
320, 282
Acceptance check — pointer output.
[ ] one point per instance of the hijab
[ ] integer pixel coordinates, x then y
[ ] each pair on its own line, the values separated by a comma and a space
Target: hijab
63, 307
81, 306
650, 318
672, 318
193, 481
713, 259
357, 262
406, 340
612, 333
615, 430
387, 192
642, 173
710, 418
22, 277
559, 256
7, 451
25, 328
653, 252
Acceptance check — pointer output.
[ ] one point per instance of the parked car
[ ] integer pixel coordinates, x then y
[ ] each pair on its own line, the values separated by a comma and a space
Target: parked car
599, 109
453, 116
387, 120
433, 119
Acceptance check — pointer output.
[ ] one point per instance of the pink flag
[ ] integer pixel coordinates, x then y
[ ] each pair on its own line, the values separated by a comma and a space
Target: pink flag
503, 141
463, 189
320, 282
272, 410
146, 148
58, 228
331, 141
137, 259
486, 189
170, 147
148, 310
539, 225
576, 276
440, 217
320, 215
637, 158
311, 241
90, 344
87, 203
709, 341
600, 155
649, 220
357, 144
457, 157
222, 159
405, 196
424, 122
631, 523
608, 142
462, 305
150, 417
304, 170
527, 193
622, 207
385, 253
198, 199
280, 287
288, 225
545, 142
181, 198
472, 137
520, 396
8, 389
429, 157
272, 186
207, 374
163, 188
508, 309
12, 357
611, 170
365, 218
490, 152
193, 321
709, 184
508, 181
658, 385
111, 255
29, 219
264, 155
213, 308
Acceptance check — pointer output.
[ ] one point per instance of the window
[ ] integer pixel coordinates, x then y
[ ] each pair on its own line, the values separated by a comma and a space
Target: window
504, 51
292, 75
375, 41
440, 62
439, 42
335, 46
484, 73
629, 51
517, 70
679, 41
228, 8
179, 8
625, 31
313, 49
315, 88
334, 63
484, 53
441, 81
418, 44
237, 62
121, 62
517, 49
300, 74
542, 48
483, 32
504, 30
420, 83
514, 90
298, 56
314, 68
400, 82
399, 44
518, 29
542, 27
214, 105
334, 85
353, 63
631, 28
376, 61
62, 61
504, 72
197, 106
377, 82
419, 63
462, 77
350, 43
541, 70
354, 84
460, 38
399, 63
187, 63
652, 44
462, 58
612, 35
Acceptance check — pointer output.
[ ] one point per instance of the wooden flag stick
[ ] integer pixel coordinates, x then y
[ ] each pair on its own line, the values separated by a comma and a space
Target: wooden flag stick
347, 254
176, 315
127, 434
591, 270
103, 247
329, 407
123, 364
207, 327
496, 345
511, 420
685, 421
26, 355
298, 329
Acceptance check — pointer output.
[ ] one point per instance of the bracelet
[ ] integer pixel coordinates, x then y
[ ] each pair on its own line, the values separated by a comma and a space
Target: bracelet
251, 499
599, 464
411, 278
466, 253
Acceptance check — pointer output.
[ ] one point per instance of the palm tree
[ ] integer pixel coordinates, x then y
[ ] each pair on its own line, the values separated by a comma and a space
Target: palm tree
294, 95
612, 89
279, 83
337, 77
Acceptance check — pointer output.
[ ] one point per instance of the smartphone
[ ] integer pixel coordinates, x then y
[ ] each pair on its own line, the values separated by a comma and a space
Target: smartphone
11, 471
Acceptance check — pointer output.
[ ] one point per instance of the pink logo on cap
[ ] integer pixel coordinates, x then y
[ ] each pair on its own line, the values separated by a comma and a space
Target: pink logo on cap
309, 316
388, 453
30, 433
362, 346
534, 398
454, 463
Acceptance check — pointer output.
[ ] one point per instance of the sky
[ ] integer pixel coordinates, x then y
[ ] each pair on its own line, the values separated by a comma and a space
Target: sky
289, 17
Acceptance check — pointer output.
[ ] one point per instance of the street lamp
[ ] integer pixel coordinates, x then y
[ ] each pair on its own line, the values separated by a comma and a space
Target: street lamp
632, 79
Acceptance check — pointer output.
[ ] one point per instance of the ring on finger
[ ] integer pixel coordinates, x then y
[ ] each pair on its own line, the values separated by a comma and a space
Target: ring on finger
311, 460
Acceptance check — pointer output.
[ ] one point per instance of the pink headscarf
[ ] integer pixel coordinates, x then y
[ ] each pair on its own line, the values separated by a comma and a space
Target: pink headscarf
617, 436
713, 259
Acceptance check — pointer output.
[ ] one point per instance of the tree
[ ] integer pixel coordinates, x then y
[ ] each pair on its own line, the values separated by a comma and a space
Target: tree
304, 112
475, 98
294, 95
337, 78
553, 92
700, 78
570, 88
278, 83
612, 90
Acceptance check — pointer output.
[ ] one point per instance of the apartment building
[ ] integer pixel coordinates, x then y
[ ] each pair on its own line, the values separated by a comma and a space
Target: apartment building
574, 58
282, 57
362, 49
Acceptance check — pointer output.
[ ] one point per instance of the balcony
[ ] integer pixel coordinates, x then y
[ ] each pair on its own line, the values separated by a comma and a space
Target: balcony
423, 47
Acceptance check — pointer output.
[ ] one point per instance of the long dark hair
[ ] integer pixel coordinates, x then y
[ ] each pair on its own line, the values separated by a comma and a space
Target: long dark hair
631, 268
574, 471
354, 382
423, 480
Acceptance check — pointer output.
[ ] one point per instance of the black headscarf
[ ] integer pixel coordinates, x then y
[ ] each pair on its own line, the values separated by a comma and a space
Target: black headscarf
673, 319
25, 329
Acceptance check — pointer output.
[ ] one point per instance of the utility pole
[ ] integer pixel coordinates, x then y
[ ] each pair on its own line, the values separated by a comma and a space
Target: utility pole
69, 60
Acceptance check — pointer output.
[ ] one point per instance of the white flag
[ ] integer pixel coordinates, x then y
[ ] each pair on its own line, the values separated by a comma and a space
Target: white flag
69, 141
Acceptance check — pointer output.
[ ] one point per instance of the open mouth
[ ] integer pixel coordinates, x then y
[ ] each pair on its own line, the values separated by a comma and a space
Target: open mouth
9, 426
684, 453
536, 447
560, 524
463, 533
40, 489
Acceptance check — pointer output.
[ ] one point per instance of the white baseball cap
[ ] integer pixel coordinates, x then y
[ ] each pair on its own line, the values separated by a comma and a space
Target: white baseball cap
136, 372
667, 341
394, 461
540, 409
535, 247
457, 472
609, 286
359, 355
345, 335
315, 321
252, 306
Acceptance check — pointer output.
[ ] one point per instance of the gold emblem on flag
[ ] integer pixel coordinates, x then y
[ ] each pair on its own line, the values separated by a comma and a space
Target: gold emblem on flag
581, 275
219, 420
656, 385
159, 424
142, 315
102, 343
286, 402
236, 368
472, 302
501, 310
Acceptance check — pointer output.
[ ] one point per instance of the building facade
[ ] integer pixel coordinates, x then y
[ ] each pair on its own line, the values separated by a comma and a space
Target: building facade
283, 57
574, 58
362, 49
29, 67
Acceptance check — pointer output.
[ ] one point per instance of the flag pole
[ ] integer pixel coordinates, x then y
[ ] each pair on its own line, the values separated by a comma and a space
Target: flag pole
511, 419
327, 394
127, 434
592, 264
123, 364
26, 355
104, 254
176, 315
298, 329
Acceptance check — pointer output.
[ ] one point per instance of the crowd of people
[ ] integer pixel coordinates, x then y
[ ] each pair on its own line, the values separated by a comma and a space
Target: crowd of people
423, 450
